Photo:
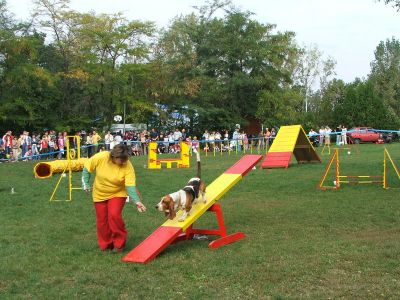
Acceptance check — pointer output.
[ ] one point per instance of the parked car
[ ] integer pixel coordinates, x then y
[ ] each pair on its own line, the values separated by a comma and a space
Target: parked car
365, 134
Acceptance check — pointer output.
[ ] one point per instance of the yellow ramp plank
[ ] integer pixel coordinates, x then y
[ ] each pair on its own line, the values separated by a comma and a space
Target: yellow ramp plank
214, 192
286, 139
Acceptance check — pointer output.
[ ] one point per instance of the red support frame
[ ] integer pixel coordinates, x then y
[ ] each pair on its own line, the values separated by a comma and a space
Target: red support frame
224, 239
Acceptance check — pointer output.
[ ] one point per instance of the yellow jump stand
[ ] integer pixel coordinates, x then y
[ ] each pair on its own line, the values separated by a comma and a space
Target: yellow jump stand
357, 179
156, 163
73, 159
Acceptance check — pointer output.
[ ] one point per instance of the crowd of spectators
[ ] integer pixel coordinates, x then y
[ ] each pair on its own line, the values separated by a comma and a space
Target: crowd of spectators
52, 144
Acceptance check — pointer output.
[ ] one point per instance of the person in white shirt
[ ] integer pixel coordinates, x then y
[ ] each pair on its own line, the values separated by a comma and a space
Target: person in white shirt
177, 135
218, 138
344, 135
312, 136
321, 135
328, 136
108, 139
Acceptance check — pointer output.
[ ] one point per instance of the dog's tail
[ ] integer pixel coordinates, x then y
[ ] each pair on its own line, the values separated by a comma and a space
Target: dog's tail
198, 163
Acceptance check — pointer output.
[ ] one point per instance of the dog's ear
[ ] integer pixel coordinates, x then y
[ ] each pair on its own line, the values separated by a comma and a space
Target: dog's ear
188, 204
171, 208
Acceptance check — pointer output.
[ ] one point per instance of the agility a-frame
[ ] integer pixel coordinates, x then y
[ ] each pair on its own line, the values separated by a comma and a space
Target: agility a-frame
290, 140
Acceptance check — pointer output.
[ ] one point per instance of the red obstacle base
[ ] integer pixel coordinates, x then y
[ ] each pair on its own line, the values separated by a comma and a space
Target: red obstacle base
224, 239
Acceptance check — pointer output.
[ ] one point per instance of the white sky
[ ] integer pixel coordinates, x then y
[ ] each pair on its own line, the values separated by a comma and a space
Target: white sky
347, 30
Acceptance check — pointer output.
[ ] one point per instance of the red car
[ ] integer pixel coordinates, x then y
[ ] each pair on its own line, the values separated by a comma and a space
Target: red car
364, 134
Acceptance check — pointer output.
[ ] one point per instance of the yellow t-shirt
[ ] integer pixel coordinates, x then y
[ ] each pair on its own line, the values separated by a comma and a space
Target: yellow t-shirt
111, 179
96, 138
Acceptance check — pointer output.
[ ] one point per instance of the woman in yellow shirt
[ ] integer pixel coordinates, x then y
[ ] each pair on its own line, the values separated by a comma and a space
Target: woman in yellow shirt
115, 180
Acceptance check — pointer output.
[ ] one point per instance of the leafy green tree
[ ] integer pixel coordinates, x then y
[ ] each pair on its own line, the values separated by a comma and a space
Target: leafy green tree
329, 99
385, 75
361, 106
27, 90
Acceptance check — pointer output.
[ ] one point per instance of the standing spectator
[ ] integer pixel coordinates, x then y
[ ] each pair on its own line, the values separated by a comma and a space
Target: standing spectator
24, 143
195, 144
344, 135
35, 146
205, 137
321, 135
245, 141
51, 147
211, 138
108, 139
273, 135
161, 146
89, 145
20, 142
184, 135
267, 136
218, 139
166, 143
312, 135
236, 136
95, 139
61, 145
328, 136
260, 140
226, 138
7, 140
170, 141
44, 146
338, 135
177, 135
16, 144
143, 141
118, 139
153, 135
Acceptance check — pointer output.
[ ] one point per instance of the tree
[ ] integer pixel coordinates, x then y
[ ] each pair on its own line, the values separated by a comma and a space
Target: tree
395, 3
310, 68
361, 106
385, 75
222, 65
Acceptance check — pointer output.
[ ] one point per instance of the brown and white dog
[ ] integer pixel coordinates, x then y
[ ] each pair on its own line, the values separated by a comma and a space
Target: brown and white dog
185, 197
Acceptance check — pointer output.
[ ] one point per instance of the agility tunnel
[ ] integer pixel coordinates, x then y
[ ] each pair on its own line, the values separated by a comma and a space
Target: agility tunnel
173, 230
290, 140
44, 170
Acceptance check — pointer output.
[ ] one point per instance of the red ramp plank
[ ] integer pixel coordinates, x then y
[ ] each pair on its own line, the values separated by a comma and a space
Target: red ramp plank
244, 165
153, 244
277, 160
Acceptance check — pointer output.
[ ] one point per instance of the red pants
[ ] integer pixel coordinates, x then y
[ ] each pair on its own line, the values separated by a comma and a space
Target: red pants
111, 232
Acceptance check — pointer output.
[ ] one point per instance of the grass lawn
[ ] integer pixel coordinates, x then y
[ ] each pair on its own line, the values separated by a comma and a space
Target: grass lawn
300, 242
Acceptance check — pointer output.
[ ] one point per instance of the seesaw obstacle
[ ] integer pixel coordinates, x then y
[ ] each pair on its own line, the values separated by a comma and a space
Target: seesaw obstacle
173, 230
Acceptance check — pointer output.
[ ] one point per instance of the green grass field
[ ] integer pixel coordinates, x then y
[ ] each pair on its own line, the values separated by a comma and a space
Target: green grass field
300, 242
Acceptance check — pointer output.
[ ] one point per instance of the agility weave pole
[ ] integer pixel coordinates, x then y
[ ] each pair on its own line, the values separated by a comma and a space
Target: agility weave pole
173, 230
357, 179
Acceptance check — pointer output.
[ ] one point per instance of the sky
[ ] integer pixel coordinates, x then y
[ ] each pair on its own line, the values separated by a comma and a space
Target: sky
347, 30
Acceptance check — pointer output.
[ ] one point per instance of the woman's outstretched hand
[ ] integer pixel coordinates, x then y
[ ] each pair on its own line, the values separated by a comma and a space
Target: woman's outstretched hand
140, 207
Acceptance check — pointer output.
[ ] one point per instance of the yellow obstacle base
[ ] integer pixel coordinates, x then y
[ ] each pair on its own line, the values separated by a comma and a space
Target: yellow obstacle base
155, 163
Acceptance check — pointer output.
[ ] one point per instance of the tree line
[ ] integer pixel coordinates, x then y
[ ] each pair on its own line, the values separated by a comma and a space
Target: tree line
211, 69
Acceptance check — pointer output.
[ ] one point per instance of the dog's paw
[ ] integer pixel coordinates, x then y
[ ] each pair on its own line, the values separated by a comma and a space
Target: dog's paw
181, 219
